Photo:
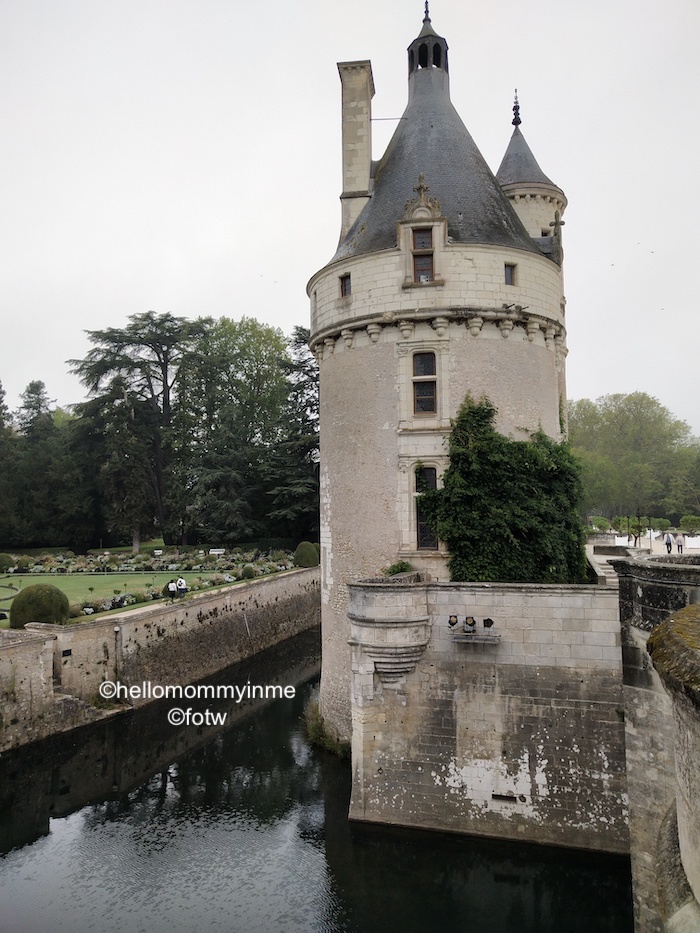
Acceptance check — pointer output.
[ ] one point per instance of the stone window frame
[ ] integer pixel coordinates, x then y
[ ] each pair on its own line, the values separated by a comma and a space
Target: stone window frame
345, 282
408, 495
434, 545
510, 273
438, 234
408, 418
424, 379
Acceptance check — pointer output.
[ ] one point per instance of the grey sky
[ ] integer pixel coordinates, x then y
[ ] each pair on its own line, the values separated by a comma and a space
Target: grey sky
173, 155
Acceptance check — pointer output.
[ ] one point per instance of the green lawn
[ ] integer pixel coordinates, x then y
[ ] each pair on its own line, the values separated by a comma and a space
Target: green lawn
77, 586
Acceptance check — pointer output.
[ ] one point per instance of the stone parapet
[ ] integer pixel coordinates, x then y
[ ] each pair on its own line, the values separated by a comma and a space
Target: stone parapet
675, 651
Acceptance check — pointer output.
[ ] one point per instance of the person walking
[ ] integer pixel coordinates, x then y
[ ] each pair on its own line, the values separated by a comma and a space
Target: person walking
680, 542
181, 587
668, 541
172, 589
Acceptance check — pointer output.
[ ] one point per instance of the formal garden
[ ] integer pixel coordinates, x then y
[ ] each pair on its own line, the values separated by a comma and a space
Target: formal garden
109, 581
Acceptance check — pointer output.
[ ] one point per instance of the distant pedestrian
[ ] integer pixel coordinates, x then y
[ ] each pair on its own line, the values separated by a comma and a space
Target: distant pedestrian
679, 543
668, 541
172, 589
181, 587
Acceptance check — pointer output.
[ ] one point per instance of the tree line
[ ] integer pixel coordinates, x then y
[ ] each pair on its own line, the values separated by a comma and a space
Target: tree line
638, 460
196, 431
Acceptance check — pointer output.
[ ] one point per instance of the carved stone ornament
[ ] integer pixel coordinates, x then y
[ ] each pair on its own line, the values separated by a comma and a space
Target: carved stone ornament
475, 324
505, 327
422, 205
440, 325
329, 344
406, 328
348, 336
374, 330
532, 330
394, 645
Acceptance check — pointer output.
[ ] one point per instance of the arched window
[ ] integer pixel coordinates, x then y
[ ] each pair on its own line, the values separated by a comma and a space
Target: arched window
437, 56
423, 55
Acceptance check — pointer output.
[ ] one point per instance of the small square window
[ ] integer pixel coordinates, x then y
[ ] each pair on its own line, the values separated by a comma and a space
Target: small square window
423, 364
345, 287
423, 267
423, 239
425, 398
509, 274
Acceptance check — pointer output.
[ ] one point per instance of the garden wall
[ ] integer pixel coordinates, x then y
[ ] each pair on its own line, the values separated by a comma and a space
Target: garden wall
50, 674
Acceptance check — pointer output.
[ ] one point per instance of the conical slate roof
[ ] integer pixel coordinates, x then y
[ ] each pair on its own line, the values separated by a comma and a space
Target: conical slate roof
431, 139
519, 166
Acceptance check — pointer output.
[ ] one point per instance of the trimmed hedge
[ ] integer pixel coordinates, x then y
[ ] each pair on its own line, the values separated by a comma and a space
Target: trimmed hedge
39, 602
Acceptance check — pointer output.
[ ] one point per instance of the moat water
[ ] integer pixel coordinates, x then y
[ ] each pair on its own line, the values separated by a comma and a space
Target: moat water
139, 827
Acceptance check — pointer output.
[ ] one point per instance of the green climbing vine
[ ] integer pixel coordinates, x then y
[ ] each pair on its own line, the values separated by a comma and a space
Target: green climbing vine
507, 509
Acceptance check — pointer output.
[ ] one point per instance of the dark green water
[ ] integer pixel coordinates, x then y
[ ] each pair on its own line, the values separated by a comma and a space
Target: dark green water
138, 827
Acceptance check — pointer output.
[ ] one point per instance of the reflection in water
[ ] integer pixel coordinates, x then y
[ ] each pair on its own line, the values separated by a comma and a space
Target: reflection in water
247, 831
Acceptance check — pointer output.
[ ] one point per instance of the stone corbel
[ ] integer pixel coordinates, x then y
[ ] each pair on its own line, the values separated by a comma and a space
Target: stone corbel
348, 336
549, 337
475, 324
374, 330
505, 326
440, 325
394, 645
406, 328
329, 344
533, 329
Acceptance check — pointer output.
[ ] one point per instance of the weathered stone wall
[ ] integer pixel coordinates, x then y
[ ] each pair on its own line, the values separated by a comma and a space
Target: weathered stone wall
675, 650
650, 589
176, 643
514, 732
53, 778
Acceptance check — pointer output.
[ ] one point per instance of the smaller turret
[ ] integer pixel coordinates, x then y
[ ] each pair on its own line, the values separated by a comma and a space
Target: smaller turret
538, 202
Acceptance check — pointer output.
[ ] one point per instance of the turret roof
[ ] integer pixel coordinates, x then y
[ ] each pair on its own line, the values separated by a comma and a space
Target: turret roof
519, 166
431, 139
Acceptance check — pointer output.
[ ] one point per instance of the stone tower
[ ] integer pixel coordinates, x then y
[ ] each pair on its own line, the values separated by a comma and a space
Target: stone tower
446, 281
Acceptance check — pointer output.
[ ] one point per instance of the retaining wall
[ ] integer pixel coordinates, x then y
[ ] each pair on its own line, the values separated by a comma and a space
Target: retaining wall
514, 732
50, 674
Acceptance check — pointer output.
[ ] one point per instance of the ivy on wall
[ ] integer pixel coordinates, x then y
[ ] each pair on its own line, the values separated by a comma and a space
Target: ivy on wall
507, 510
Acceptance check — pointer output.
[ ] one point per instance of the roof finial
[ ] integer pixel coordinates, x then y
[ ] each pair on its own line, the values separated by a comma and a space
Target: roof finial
426, 18
516, 109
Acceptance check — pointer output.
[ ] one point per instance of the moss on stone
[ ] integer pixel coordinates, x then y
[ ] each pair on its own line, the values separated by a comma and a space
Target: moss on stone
674, 647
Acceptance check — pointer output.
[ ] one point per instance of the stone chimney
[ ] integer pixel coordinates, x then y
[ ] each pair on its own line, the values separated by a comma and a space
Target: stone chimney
358, 91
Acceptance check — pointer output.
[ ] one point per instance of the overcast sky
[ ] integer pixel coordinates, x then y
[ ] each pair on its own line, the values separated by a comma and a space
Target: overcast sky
184, 156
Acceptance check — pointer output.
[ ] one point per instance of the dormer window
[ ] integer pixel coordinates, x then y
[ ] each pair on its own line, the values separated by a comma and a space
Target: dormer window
423, 269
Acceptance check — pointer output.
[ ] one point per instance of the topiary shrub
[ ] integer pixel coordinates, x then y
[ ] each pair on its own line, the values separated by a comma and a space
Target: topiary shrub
39, 602
248, 572
24, 562
5, 563
306, 555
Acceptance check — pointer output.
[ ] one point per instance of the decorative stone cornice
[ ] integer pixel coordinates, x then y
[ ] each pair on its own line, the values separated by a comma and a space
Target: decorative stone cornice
506, 318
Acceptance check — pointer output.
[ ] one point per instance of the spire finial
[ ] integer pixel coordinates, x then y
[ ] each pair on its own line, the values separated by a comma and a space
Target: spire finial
426, 18
516, 109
